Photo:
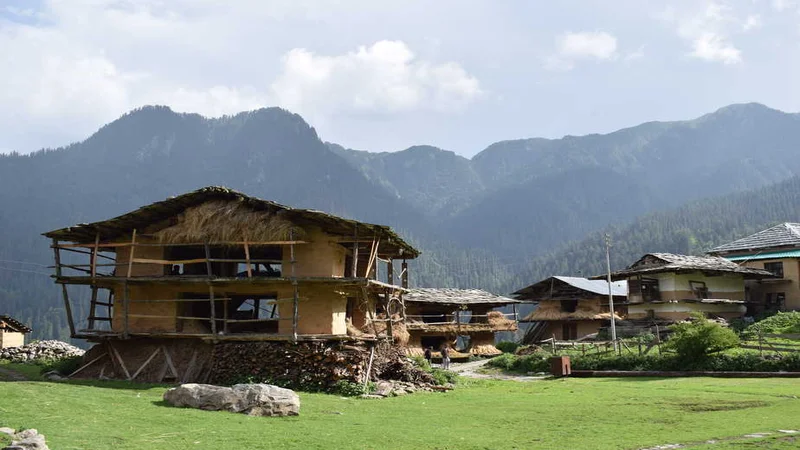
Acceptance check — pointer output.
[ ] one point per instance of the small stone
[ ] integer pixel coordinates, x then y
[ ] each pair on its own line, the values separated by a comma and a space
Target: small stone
383, 388
8, 431
757, 435
782, 431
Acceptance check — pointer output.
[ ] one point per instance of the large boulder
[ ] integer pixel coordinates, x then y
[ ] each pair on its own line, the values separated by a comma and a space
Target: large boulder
27, 440
250, 399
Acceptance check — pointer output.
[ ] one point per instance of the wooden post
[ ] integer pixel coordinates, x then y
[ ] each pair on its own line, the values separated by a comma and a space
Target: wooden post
369, 366
93, 256
404, 277
554, 343
210, 273
133, 250
93, 307
225, 306
390, 271
126, 301
389, 324
64, 292
294, 285
247, 258
658, 339
355, 254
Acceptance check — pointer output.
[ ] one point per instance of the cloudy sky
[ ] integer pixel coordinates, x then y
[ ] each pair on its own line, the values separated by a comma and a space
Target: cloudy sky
384, 75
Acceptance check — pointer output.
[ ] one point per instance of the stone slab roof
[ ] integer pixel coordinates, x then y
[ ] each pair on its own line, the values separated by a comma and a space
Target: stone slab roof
783, 235
8, 323
450, 296
652, 263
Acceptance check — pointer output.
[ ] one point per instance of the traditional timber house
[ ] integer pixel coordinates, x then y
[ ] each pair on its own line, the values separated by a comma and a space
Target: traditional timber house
571, 308
671, 287
189, 273
776, 250
438, 317
12, 332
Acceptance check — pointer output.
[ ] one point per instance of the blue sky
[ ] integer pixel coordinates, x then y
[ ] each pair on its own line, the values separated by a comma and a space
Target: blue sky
382, 76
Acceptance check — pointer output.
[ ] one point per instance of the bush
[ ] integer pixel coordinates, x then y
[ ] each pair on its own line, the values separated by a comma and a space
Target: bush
64, 366
421, 362
350, 389
780, 323
505, 361
443, 377
522, 364
700, 337
507, 346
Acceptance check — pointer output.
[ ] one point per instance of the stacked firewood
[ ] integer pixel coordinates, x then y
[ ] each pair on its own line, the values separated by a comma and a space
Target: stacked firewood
307, 365
310, 365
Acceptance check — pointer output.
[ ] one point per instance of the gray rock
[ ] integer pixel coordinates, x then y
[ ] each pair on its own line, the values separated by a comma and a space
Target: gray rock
27, 440
53, 376
384, 388
8, 431
250, 399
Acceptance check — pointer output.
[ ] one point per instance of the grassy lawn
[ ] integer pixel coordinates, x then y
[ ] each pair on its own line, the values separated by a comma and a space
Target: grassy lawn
568, 413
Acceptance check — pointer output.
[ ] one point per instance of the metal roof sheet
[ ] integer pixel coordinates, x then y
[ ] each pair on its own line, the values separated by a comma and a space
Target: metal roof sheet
596, 286
765, 255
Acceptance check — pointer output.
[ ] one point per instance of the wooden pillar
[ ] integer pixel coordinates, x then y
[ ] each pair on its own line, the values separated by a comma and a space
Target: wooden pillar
390, 271
294, 285
389, 324
247, 258
64, 293
210, 273
355, 254
404, 277
133, 250
126, 300
93, 256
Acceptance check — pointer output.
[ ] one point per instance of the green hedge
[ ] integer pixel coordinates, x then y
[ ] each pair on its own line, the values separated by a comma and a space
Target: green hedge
744, 362
780, 323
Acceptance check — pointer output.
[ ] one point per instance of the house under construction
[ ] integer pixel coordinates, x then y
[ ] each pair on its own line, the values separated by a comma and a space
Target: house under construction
162, 288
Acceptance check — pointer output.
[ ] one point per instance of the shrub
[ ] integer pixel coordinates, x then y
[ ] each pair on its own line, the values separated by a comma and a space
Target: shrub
421, 362
442, 376
700, 337
350, 389
780, 323
64, 366
532, 363
507, 346
505, 361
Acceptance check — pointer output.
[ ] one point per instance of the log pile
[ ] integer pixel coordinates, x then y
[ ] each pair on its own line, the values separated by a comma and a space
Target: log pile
302, 365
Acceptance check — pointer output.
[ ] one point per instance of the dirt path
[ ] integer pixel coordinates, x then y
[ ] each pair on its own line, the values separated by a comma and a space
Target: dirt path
470, 369
11, 375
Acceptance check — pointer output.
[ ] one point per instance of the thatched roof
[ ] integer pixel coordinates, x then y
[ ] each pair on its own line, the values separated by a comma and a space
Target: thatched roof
8, 323
653, 263
560, 287
551, 310
449, 296
262, 213
780, 236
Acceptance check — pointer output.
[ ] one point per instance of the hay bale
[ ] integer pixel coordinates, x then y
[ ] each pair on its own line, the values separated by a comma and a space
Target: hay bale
547, 310
485, 350
223, 221
498, 319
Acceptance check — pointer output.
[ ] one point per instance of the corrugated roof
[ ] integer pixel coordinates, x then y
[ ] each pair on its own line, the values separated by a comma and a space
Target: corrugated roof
596, 286
8, 322
766, 255
450, 296
784, 235
156, 212
670, 262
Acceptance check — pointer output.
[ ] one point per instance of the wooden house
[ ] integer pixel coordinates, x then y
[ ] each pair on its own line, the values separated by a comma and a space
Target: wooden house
776, 250
215, 265
671, 287
12, 332
570, 308
438, 317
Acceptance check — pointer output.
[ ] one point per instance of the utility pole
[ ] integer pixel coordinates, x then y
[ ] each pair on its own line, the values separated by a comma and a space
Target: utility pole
610, 294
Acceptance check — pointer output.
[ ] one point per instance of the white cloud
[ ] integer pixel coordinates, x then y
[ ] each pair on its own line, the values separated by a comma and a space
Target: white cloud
584, 45
783, 5
385, 77
752, 22
708, 31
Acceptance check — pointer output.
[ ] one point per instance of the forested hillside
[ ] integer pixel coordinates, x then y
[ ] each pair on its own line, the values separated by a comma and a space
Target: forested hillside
497, 221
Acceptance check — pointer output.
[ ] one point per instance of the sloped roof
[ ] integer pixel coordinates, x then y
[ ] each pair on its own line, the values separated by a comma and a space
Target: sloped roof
784, 235
450, 296
670, 262
8, 323
596, 286
155, 212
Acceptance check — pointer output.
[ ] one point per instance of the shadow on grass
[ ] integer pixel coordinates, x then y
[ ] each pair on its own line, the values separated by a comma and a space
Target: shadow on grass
116, 384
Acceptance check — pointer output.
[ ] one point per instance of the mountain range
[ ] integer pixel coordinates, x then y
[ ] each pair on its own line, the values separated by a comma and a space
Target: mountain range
512, 214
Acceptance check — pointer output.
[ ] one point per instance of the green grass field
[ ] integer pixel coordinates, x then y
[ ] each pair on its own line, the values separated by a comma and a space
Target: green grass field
567, 413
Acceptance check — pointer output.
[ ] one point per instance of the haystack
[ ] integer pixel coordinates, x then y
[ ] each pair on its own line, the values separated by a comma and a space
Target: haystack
482, 344
220, 222
399, 331
588, 310
498, 319
547, 310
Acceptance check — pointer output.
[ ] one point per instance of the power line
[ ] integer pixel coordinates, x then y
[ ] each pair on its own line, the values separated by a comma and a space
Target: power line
24, 270
23, 262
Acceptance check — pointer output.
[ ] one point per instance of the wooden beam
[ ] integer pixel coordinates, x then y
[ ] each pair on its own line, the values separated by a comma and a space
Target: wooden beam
129, 244
169, 361
93, 256
292, 261
355, 254
130, 256
390, 272
136, 374
87, 365
404, 274
126, 295
190, 367
211, 289
164, 262
247, 258
120, 361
